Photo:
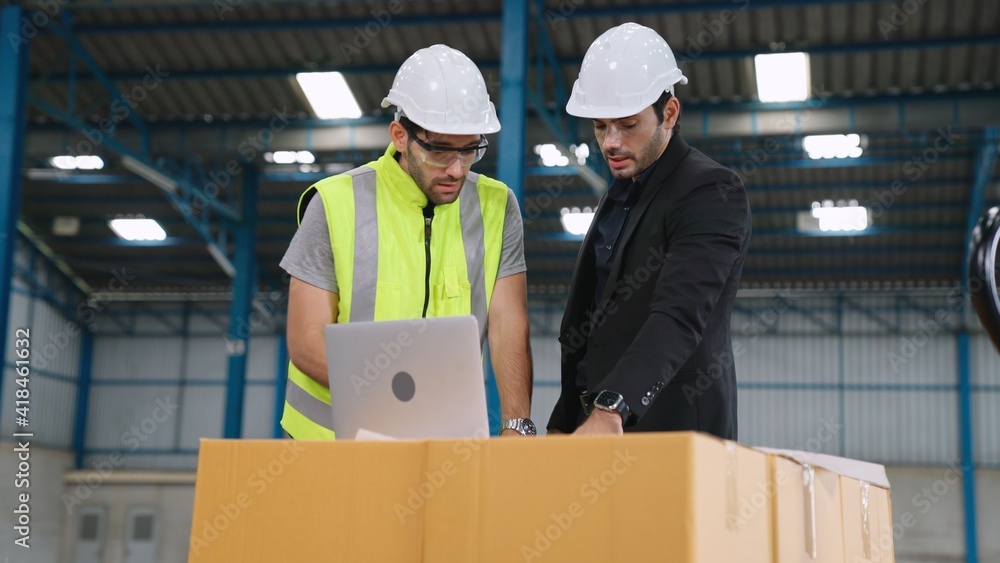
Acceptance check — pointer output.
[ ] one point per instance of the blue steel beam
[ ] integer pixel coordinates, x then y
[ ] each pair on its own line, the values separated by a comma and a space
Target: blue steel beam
244, 286
808, 251
736, 160
185, 189
13, 85
86, 365
968, 458
493, 64
831, 271
555, 119
42, 290
182, 194
870, 231
280, 382
983, 171
940, 206
304, 177
849, 303
558, 10
87, 243
89, 179
510, 162
513, 100
78, 51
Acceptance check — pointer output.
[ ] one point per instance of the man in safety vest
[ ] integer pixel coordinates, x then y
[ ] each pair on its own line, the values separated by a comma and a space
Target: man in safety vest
413, 234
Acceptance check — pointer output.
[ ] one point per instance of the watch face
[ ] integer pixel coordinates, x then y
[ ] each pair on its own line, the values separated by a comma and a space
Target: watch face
529, 426
608, 399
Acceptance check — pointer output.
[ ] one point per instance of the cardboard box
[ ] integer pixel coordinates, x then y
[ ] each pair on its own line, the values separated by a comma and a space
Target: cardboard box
679, 497
821, 514
867, 516
807, 518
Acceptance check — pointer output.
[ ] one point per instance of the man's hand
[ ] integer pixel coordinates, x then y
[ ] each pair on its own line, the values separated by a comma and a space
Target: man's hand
601, 422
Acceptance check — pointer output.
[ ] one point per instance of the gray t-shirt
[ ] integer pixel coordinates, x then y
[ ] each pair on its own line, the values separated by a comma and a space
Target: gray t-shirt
310, 257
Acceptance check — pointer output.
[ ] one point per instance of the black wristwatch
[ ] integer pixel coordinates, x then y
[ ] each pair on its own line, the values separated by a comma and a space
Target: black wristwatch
613, 402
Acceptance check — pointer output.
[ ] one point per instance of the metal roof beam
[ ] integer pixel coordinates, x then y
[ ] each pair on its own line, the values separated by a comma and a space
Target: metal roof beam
553, 12
494, 64
954, 113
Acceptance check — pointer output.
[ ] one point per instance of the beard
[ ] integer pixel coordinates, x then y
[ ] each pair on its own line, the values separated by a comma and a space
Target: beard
646, 157
429, 186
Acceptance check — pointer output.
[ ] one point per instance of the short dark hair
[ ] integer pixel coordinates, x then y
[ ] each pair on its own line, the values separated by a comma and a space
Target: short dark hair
409, 125
658, 106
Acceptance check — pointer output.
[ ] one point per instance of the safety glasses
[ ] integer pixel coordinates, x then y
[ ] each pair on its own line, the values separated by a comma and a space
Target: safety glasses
441, 157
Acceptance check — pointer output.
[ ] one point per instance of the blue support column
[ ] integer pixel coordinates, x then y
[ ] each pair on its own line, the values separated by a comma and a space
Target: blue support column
513, 96
968, 461
510, 160
82, 397
240, 319
13, 84
280, 381
983, 171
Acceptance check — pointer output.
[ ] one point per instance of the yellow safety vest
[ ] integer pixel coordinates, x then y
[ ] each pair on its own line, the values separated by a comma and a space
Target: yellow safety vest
385, 281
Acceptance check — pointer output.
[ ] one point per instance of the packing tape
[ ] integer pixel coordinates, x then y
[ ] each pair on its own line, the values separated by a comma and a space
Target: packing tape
809, 508
732, 481
866, 529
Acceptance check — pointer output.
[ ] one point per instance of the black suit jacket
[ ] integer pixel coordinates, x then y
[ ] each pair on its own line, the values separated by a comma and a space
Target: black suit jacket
661, 334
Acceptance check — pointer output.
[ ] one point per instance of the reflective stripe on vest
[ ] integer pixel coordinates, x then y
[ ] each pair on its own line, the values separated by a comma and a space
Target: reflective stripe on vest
307, 409
365, 231
475, 249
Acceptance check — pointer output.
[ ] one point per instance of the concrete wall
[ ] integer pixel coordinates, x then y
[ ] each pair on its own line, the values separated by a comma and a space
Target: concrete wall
173, 504
47, 512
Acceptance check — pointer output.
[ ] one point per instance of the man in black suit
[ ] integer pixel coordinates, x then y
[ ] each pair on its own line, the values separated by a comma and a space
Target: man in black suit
646, 343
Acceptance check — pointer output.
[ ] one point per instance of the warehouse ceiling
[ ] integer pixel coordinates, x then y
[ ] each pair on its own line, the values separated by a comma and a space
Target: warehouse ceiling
213, 83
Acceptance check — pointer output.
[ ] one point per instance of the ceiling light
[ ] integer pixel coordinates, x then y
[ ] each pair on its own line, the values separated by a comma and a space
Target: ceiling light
782, 77
834, 217
329, 95
581, 152
832, 146
284, 157
575, 221
551, 155
137, 229
89, 162
85, 162
290, 157
64, 162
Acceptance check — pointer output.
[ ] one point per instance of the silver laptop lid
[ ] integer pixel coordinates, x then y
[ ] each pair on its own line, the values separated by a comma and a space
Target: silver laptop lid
408, 379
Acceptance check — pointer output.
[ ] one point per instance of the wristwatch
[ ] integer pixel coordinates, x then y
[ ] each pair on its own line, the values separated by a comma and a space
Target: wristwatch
612, 402
522, 426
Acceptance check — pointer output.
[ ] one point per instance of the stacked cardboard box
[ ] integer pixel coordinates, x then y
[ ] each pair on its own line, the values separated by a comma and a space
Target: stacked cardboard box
679, 497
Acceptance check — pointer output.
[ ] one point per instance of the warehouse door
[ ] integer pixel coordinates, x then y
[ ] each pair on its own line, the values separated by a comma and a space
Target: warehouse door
141, 535
92, 522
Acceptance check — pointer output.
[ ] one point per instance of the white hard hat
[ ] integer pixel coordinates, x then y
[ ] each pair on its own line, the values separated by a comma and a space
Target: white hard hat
442, 90
625, 70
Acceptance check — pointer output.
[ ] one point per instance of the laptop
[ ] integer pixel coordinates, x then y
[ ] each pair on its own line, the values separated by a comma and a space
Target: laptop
408, 379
